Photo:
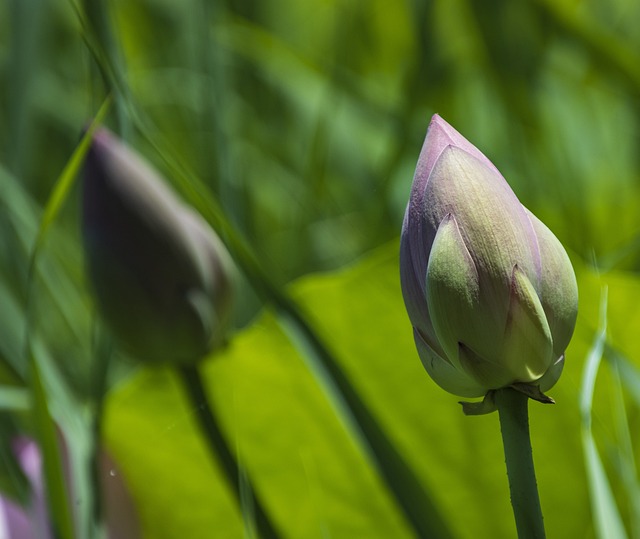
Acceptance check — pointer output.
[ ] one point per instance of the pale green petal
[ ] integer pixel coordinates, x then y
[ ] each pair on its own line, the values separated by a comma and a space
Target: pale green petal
559, 290
452, 287
444, 374
488, 374
528, 346
552, 375
492, 222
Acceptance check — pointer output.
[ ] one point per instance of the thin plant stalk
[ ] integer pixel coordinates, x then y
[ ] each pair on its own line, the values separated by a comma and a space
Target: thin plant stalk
222, 453
102, 362
514, 425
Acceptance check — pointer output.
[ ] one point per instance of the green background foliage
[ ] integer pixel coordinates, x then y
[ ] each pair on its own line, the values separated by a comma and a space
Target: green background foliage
294, 126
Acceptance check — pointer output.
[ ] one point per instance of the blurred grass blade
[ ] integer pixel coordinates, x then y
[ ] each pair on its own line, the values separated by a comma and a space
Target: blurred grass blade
592, 363
56, 492
57, 498
624, 452
629, 374
608, 522
97, 22
14, 399
66, 179
102, 351
20, 68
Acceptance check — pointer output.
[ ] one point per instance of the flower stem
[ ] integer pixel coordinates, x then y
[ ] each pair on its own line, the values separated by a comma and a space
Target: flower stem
514, 424
222, 453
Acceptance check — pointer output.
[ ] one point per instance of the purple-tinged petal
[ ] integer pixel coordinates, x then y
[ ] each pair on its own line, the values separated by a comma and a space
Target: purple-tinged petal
149, 258
14, 522
29, 522
413, 292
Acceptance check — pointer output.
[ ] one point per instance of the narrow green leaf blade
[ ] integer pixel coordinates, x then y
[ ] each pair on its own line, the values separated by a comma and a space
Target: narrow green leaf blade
55, 488
608, 522
65, 181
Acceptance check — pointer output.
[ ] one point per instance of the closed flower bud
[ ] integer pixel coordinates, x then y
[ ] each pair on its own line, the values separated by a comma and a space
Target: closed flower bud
161, 276
489, 289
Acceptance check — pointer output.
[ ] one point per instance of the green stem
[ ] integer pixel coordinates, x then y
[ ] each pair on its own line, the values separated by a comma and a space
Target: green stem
514, 424
222, 454
102, 362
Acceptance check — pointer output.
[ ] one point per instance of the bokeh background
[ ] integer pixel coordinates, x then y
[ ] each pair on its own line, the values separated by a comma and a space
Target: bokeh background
297, 125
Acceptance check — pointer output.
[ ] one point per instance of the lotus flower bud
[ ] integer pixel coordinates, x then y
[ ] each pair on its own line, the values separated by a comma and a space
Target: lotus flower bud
489, 289
161, 276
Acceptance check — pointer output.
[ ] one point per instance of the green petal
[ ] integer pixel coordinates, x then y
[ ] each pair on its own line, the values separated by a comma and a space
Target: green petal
452, 287
552, 375
528, 345
558, 290
444, 373
486, 406
489, 374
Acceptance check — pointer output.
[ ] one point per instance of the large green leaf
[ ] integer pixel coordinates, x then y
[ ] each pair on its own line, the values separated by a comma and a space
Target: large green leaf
312, 477
301, 460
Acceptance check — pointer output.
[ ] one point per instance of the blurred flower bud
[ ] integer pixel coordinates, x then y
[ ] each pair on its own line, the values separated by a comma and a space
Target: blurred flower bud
489, 289
161, 276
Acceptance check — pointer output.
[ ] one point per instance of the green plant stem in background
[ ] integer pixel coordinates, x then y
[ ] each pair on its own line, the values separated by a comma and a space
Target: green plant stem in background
514, 424
102, 361
221, 452
49, 440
